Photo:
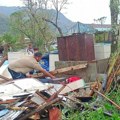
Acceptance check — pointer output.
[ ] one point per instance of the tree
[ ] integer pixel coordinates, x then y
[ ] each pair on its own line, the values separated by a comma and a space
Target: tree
58, 5
10, 42
29, 23
101, 20
114, 9
36, 22
44, 5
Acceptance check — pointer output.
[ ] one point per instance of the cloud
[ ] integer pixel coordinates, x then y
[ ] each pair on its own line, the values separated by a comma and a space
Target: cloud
10, 2
87, 10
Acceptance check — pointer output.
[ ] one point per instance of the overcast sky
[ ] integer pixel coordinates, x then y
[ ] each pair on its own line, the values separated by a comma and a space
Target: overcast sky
84, 11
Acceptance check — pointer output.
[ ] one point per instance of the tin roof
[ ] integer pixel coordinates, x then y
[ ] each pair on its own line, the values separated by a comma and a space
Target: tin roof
80, 28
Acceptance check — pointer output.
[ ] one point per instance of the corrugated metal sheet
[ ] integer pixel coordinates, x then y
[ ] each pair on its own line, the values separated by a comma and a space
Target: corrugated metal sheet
77, 47
80, 28
11, 115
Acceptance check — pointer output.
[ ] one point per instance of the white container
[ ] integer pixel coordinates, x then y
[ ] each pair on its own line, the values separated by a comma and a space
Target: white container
52, 59
102, 50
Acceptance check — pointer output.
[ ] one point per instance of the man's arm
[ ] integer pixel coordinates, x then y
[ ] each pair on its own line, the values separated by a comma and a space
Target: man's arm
46, 73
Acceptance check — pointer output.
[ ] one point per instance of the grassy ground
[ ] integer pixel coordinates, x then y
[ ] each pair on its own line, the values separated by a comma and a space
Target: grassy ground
105, 110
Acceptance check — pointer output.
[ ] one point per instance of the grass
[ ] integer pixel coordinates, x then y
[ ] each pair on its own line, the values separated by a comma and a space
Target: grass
99, 113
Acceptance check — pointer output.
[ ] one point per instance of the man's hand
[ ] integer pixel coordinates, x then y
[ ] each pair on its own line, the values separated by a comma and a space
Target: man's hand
53, 77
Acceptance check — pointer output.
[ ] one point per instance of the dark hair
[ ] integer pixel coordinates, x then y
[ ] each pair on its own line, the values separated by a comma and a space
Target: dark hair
38, 54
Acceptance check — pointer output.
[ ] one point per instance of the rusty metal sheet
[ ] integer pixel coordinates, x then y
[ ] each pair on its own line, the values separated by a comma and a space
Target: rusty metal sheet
76, 47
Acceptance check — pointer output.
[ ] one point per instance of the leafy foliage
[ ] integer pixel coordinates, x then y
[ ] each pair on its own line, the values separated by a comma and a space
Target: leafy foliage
11, 41
32, 26
101, 37
99, 113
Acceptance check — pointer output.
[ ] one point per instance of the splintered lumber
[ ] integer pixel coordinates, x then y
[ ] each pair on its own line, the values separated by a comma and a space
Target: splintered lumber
53, 99
63, 70
40, 108
76, 67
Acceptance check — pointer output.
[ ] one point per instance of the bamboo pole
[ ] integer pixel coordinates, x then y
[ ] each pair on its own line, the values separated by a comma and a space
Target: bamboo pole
111, 78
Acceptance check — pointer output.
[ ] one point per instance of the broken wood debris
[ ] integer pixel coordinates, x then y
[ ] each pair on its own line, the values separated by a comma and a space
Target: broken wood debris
63, 70
40, 99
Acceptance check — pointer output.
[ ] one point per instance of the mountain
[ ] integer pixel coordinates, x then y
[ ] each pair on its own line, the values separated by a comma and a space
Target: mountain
4, 24
9, 10
67, 26
5, 12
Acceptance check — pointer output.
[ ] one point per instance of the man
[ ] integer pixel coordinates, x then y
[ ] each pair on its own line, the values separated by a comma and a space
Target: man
19, 68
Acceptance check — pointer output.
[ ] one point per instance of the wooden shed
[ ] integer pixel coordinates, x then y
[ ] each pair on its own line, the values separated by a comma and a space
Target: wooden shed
76, 47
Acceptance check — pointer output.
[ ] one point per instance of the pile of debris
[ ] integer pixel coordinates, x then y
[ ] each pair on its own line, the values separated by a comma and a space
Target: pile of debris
31, 99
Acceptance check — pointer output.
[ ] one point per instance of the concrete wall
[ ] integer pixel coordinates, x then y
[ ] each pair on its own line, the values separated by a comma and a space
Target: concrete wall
102, 65
89, 74
102, 50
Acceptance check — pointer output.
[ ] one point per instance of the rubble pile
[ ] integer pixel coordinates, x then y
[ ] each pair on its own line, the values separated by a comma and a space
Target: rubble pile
29, 98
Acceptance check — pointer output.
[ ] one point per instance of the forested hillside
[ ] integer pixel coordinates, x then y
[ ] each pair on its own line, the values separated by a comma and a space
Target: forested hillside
4, 24
5, 12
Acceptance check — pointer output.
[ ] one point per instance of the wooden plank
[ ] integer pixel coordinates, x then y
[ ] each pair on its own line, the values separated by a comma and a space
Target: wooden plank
63, 70
73, 86
76, 67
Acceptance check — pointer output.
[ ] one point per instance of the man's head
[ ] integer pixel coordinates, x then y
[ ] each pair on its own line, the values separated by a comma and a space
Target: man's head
38, 56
